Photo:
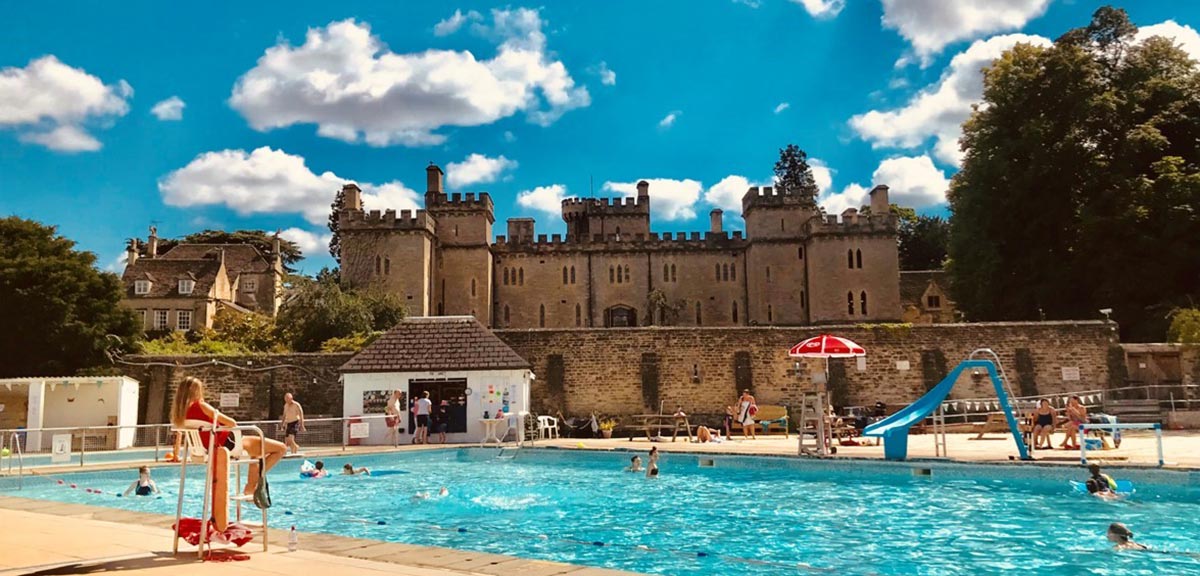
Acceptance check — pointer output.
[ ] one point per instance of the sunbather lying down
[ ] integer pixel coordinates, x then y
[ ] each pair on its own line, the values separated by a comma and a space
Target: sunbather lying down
705, 434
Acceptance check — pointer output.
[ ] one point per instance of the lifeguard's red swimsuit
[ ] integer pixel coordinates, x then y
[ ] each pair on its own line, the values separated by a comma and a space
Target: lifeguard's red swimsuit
196, 412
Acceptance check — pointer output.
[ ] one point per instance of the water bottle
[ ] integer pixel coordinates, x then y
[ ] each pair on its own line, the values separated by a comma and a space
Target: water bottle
293, 540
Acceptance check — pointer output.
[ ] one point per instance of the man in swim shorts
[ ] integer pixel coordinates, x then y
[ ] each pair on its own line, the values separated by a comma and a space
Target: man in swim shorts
293, 422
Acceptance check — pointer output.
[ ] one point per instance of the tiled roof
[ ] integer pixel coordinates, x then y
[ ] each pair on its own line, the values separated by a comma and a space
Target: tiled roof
239, 258
914, 283
164, 277
436, 343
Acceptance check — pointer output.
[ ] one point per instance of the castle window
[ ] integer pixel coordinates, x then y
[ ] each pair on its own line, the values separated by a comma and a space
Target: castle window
506, 276
862, 308
521, 276
472, 287
768, 273
564, 275
578, 316
620, 274
933, 301
542, 316
850, 259
725, 272
456, 229
800, 252
699, 319
674, 278
850, 303
572, 274
733, 271
735, 317
858, 258
662, 316
378, 265
803, 300
770, 314
507, 316
718, 272
185, 286
387, 266
628, 278
666, 273
183, 320
781, 224
612, 275
441, 309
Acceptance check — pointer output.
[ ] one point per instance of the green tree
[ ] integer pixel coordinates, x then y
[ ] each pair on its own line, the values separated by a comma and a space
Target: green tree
320, 310
792, 173
261, 240
1185, 326
253, 331
335, 235
923, 241
57, 309
1080, 186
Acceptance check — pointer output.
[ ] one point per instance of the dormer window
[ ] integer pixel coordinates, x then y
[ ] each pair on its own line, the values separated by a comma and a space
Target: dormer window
186, 286
141, 287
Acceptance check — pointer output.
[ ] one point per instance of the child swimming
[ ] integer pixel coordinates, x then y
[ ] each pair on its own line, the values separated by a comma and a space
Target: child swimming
317, 471
144, 485
349, 470
1122, 537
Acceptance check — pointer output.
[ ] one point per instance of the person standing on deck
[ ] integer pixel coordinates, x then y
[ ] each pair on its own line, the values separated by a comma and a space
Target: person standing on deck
293, 422
424, 408
746, 410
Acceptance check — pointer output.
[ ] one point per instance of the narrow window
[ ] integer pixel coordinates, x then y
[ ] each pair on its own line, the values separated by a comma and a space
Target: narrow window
768, 273
800, 252
507, 317
618, 230
521, 276
506, 276
733, 271
934, 302
735, 317
803, 300
578, 316
674, 278
378, 265
725, 272
781, 224
666, 273
572, 274
699, 319
628, 278
456, 229
862, 308
620, 274
662, 316
542, 316
770, 314
472, 287
858, 258
611, 275
850, 303
387, 266
564, 275
718, 272
850, 259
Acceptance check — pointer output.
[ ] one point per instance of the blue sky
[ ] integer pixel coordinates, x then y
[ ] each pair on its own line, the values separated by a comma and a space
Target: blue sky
233, 116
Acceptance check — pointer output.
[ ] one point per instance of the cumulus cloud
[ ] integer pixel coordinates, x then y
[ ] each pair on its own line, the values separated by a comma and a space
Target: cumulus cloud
669, 119
669, 199
822, 8
1184, 36
308, 242
607, 76
938, 111
781, 107
547, 199
353, 88
454, 22
913, 181
169, 109
930, 25
50, 103
477, 169
270, 181
727, 193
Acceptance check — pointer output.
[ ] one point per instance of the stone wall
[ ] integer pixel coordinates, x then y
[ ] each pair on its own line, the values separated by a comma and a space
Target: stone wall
260, 381
629, 371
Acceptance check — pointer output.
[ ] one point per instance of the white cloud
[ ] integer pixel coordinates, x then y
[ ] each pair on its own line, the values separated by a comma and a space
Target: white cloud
270, 181
49, 103
938, 111
822, 174
930, 25
309, 243
913, 181
169, 109
546, 199
750, 3
348, 83
1184, 36
117, 265
727, 193
669, 119
669, 199
607, 76
454, 22
822, 8
781, 107
477, 169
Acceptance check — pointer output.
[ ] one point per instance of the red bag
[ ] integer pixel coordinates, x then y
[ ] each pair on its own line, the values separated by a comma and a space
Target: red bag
752, 410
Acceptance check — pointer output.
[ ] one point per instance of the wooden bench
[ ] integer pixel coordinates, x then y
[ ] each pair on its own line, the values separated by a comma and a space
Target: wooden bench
772, 418
997, 423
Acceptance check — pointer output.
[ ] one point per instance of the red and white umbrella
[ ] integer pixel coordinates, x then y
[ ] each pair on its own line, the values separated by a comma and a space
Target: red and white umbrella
827, 346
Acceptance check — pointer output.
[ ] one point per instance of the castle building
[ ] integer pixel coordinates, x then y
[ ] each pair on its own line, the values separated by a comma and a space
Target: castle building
793, 266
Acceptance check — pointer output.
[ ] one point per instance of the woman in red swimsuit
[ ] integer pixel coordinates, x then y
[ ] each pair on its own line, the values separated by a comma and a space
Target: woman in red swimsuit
189, 404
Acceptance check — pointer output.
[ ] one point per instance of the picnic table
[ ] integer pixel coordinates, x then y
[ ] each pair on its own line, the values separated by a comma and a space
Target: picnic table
657, 422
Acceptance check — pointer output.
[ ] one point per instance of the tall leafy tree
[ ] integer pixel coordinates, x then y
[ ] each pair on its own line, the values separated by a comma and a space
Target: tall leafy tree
320, 309
1080, 187
261, 240
335, 236
56, 308
792, 173
923, 242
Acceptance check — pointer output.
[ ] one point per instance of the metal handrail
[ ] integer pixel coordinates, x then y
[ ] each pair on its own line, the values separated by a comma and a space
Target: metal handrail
15, 450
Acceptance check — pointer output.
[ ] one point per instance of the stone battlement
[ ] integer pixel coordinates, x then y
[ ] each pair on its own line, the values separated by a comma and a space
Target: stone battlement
420, 220
459, 201
625, 242
851, 222
770, 196
608, 206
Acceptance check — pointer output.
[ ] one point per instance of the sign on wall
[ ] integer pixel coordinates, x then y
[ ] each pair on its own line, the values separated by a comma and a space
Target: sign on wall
60, 448
861, 363
1070, 373
360, 430
902, 365
230, 399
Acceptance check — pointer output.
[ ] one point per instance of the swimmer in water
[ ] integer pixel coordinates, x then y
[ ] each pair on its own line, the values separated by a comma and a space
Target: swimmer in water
443, 492
1122, 538
652, 465
635, 464
144, 485
349, 470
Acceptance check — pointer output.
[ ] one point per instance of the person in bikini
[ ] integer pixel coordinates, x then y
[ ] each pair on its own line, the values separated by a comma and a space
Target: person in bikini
293, 421
652, 464
1076, 415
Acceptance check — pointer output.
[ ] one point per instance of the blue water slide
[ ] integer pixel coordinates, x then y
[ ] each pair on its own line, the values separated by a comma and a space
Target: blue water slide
894, 428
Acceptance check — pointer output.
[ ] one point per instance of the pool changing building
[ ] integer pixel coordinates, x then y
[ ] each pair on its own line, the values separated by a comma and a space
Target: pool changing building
70, 402
462, 365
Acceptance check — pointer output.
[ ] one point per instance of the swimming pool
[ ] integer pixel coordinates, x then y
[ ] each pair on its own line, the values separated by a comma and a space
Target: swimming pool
720, 515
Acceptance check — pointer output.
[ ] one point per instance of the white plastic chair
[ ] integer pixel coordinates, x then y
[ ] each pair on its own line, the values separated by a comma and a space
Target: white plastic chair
547, 427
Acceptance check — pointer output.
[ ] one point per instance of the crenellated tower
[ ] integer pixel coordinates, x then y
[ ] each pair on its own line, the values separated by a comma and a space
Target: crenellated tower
463, 277
589, 219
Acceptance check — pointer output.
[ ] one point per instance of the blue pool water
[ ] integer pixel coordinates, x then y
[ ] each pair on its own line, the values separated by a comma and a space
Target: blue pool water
741, 515
141, 455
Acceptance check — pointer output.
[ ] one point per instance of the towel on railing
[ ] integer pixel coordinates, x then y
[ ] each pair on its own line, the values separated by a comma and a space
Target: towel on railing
236, 533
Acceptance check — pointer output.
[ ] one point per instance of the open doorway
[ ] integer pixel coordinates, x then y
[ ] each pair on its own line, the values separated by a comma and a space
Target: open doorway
451, 391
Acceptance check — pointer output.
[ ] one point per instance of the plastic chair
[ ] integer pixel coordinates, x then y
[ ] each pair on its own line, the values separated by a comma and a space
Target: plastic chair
548, 427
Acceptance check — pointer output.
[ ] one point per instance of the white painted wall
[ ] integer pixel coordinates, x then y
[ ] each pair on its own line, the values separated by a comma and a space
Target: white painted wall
516, 381
82, 402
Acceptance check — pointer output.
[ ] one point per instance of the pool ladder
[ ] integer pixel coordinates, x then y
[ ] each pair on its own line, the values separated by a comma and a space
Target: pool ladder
508, 452
14, 452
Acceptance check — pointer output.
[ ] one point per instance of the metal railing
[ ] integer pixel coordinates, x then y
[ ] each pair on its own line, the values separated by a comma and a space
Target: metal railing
1169, 398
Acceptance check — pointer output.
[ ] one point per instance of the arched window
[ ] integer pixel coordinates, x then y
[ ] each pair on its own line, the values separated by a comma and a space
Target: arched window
858, 258
620, 274
472, 287
718, 272
578, 316
725, 272
735, 317
850, 259
612, 275
521, 276
564, 275
572, 274
800, 252
674, 278
862, 305
628, 278
770, 314
733, 271
699, 319
387, 266
378, 265
803, 300
666, 273
618, 230
506, 276
507, 316
850, 303
542, 316
768, 273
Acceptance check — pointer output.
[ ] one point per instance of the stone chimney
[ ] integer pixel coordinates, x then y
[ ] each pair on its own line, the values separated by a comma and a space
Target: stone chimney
352, 196
879, 201
715, 221
131, 252
152, 243
433, 179
275, 248
643, 188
